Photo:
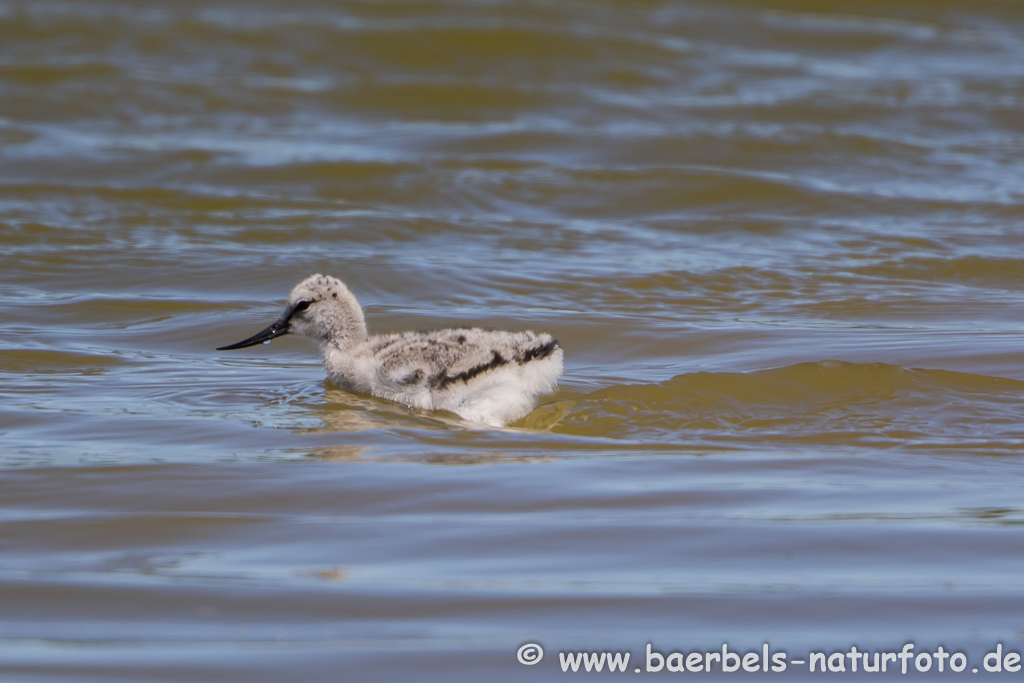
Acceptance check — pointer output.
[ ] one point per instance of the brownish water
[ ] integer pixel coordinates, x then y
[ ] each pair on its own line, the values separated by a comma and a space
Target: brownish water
779, 242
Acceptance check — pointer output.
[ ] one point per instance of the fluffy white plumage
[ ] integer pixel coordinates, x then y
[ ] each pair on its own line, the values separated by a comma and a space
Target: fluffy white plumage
486, 377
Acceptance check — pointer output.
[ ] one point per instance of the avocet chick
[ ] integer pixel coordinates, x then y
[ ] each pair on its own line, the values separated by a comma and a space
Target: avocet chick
486, 377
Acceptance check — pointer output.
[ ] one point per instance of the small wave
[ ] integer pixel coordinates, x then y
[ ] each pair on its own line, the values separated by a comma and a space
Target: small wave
830, 403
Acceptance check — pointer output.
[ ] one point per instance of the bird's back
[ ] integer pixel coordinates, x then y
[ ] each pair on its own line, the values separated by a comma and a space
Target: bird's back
485, 376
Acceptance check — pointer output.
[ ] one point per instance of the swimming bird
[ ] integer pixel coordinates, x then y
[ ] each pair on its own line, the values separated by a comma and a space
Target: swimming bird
486, 377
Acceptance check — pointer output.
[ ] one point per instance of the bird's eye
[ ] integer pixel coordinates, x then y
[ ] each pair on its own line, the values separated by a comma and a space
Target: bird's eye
301, 306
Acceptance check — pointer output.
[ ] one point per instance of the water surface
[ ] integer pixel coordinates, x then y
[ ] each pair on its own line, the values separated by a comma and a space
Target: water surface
778, 242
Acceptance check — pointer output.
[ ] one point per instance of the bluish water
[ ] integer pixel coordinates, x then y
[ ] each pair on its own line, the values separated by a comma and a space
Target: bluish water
778, 244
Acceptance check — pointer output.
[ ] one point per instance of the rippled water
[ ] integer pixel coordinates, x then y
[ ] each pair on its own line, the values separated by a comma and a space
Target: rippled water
779, 243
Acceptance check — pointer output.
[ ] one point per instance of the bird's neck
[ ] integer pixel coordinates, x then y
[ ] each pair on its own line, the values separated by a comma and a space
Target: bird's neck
349, 327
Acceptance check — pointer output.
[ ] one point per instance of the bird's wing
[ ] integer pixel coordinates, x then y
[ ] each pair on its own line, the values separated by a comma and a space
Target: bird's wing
442, 358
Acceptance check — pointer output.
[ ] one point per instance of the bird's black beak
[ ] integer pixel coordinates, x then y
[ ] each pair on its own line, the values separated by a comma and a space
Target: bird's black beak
280, 328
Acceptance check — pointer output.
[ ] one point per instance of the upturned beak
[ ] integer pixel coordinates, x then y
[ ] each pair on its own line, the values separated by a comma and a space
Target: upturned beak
280, 328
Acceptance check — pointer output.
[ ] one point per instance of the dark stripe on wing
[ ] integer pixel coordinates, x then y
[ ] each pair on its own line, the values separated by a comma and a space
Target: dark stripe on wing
442, 380
540, 352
